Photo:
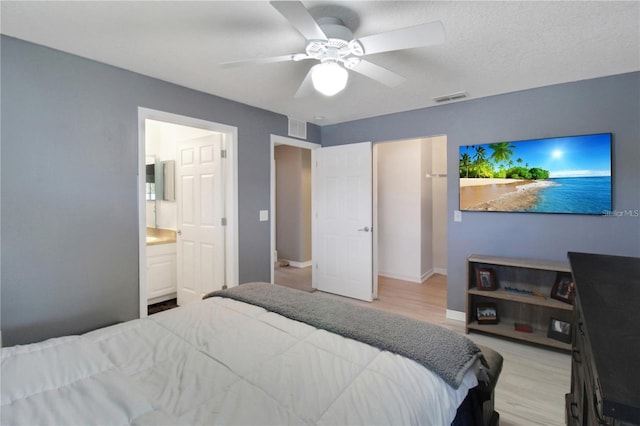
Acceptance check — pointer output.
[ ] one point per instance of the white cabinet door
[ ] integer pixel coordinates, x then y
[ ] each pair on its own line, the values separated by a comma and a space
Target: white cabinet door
161, 270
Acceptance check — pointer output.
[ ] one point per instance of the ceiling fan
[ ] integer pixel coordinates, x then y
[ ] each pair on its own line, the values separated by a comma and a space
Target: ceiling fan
331, 42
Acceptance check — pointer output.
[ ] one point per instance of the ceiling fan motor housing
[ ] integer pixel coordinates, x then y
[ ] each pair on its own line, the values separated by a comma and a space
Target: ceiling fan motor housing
335, 31
339, 44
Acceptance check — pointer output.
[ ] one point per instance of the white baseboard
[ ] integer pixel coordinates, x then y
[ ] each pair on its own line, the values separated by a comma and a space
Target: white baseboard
441, 271
412, 279
427, 275
300, 264
456, 315
162, 298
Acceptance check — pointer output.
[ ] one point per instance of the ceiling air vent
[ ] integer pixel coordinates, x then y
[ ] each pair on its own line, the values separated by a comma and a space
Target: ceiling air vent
451, 97
297, 128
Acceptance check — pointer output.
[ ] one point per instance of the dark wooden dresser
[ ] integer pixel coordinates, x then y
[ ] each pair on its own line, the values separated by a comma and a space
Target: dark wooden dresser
605, 369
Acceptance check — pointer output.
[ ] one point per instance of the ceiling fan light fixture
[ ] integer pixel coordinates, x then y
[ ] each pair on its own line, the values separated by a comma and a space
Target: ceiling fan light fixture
329, 78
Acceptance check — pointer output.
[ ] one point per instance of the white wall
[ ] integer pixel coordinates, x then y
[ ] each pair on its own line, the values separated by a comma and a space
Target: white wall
426, 210
439, 205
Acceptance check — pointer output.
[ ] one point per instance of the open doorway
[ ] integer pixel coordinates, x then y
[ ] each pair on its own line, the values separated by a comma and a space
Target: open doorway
159, 134
411, 190
291, 200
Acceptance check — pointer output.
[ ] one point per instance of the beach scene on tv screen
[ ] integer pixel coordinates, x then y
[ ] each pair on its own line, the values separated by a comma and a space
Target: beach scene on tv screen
554, 175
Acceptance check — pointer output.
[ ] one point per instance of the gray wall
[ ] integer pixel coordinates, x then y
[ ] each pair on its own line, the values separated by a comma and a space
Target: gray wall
609, 104
69, 219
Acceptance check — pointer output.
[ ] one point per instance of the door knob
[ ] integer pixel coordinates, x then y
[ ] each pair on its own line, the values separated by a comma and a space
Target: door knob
365, 229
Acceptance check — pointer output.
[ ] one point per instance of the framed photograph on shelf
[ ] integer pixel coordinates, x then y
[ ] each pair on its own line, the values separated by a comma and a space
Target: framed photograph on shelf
564, 288
487, 313
559, 330
486, 279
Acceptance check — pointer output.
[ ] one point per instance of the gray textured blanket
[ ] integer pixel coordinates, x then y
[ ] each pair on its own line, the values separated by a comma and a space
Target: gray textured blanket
442, 351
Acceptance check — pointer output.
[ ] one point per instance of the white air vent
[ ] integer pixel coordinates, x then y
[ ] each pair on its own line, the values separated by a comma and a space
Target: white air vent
451, 97
297, 128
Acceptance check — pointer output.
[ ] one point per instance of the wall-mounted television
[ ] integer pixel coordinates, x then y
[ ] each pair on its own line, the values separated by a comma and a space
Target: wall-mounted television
570, 174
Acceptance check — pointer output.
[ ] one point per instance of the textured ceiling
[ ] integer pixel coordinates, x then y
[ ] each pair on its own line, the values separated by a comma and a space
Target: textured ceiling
491, 48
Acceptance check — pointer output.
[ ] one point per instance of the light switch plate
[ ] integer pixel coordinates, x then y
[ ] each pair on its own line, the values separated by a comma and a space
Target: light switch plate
457, 216
264, 215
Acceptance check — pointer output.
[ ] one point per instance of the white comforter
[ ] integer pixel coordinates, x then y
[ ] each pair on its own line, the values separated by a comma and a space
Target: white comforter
219, 361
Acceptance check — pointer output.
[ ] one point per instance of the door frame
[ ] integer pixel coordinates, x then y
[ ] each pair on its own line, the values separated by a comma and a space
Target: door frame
231, 194
283, 140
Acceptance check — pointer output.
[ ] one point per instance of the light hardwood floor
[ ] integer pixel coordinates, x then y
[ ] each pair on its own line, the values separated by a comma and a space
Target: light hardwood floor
533, 381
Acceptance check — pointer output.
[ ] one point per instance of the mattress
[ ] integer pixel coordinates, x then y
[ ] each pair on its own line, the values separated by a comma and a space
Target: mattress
219, 361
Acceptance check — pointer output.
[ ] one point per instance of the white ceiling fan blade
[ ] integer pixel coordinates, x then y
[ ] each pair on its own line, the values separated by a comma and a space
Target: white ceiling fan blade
300, 18
306, 87
378, 73
421, 35
257, 61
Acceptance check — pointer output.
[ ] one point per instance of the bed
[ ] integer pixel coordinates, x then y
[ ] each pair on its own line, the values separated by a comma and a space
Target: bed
256, 354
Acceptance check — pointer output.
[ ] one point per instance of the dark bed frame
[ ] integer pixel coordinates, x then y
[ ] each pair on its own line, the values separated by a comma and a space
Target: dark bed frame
478, 407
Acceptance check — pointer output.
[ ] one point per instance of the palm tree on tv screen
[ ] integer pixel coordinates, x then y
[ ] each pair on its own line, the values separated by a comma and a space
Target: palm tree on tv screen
465, 163
502, 152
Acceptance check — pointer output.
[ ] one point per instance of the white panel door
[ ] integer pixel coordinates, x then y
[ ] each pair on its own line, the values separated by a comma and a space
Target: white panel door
343, 242
200, 200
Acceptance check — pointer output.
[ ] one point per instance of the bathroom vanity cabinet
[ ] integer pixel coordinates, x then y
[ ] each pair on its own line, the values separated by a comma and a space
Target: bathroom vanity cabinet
161, 272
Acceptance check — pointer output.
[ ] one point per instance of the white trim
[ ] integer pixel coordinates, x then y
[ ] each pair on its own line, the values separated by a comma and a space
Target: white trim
164, 298
427, 275
408, 278
374, 218
231, 201
295, 264
413, 279
283, 140
456, 315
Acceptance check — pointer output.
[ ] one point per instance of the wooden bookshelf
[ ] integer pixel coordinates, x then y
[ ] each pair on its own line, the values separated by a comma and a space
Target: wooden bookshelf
533, 306
506, 330
518, 298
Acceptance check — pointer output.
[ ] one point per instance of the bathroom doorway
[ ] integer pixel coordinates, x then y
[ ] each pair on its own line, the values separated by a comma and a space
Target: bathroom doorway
157, 213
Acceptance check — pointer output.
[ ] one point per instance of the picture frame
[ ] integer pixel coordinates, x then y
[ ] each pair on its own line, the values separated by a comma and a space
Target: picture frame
559, 330
486, 279
564, 288
481, 172
487, 313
